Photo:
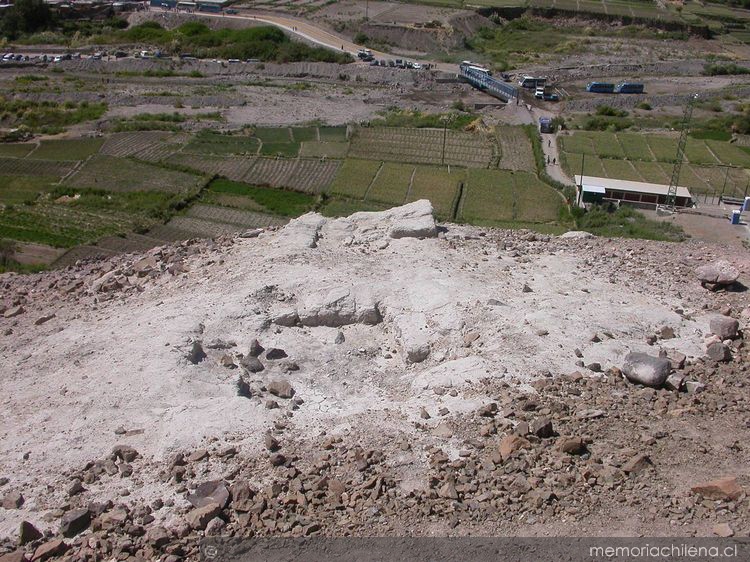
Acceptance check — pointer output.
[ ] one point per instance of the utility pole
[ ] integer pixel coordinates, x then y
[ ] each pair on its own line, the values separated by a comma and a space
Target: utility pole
367, 10
686, 117
723, 187
580, 187
445, 120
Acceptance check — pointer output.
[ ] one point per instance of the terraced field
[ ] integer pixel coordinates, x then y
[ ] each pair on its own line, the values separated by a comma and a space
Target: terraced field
15, 190
422, 146
25, 167
391, 184
128, 144
218, 144
354, 178
61, 225
307, 176
494, 197
230, 167
68, 149
516, 152
123, 175
439, 186
710, 167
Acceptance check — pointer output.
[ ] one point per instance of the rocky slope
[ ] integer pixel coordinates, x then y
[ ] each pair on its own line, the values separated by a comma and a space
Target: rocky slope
374, 375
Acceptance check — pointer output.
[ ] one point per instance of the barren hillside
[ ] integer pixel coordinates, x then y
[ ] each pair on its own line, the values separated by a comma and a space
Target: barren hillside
372, 375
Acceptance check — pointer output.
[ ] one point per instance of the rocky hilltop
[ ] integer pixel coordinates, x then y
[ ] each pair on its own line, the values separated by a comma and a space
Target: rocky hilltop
373, 375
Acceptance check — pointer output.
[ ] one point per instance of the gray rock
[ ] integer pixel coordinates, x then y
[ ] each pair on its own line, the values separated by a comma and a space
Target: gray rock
675, 381
280, 388
74, 522
286, 318
724, 327
252, 364
694, 387
200, 516
720, 273
255, 348
645, 369
211, 492
27, 533
542, 427
275, 353
414, 220
125, 452
215, 526
196, 354
719, 352
158, 537
340, 307
339, 338
13, 500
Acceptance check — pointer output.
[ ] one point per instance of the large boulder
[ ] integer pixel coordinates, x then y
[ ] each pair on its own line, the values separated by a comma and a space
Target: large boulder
718, 273
339, 307
645, 369
414, 220
724, 327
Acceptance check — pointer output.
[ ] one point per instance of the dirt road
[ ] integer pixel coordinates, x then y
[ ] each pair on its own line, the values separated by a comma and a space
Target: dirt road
315, 34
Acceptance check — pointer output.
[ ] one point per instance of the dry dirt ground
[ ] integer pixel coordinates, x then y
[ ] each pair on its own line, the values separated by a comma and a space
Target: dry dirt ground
464, 383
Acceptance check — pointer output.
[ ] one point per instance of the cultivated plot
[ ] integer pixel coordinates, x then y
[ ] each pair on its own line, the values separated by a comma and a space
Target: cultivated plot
123, 175
422, 146
438, 185
516, 152
354, 178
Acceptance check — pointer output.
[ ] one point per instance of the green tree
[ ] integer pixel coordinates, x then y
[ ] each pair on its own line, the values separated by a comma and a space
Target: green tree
26, 16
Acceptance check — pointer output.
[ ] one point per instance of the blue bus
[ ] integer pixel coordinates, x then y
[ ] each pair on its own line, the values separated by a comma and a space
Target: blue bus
600, 87
629, 88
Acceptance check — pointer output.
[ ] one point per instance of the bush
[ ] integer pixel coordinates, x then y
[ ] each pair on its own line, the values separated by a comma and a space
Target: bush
608, 111
361, 38
644, 105
724, 68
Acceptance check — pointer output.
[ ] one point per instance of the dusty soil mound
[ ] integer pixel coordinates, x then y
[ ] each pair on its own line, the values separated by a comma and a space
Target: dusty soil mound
371, 375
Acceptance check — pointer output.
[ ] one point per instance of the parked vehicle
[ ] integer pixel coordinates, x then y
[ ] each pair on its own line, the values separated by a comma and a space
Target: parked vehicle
545, 125
551, 97
531, 82
539, 93
600, 87
629, 88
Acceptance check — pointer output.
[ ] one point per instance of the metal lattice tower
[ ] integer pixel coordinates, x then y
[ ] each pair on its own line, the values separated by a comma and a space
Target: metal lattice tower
685, 129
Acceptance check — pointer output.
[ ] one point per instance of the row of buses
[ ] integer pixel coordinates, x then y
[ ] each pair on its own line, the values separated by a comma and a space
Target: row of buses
608, 88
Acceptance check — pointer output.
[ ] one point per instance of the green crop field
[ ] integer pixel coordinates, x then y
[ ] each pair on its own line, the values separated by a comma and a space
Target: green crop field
332, 134
286, 149
621, 169
391, 184
273, 134
207, 142
122, 175
488, 197
26, 167
16, 150
516, 152
323, 149
15, 190
422, 146
534, 201
439, 186
354, 177
710, 165
304, 134
63, 225
68, 149
274, 201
